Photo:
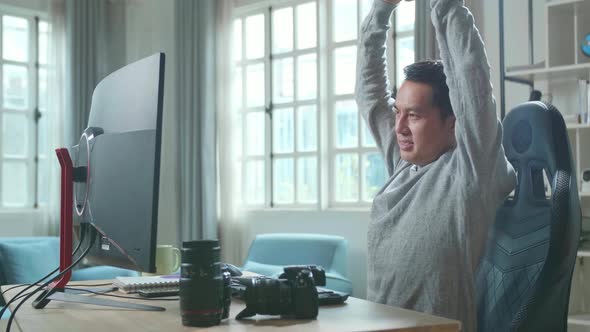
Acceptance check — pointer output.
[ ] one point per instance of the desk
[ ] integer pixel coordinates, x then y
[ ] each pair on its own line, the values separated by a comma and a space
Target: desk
355, 315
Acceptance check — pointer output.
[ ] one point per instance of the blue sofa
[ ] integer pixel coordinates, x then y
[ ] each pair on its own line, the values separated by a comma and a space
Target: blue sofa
25, 260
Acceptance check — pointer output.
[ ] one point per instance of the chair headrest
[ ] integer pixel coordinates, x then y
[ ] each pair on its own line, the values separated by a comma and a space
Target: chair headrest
536, 131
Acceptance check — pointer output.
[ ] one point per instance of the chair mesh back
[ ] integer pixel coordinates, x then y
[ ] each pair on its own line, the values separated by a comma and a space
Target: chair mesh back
523, 281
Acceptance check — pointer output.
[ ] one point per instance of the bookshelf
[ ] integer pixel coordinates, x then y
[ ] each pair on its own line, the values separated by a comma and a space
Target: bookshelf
566, 72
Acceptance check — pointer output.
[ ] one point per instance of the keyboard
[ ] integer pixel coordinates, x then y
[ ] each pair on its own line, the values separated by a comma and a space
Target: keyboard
329, 297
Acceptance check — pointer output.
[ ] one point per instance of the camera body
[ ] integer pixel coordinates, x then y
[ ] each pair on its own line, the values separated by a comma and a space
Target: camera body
318, 273
293, 294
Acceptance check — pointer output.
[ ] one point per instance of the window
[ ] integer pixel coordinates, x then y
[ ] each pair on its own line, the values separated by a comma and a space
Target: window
303, 143
404, 38
23, 95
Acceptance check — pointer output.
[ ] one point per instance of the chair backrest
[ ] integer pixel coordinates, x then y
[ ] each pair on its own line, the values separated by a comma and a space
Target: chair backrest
524, 279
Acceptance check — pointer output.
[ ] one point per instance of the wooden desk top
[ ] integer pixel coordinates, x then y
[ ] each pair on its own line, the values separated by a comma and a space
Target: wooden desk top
355, 315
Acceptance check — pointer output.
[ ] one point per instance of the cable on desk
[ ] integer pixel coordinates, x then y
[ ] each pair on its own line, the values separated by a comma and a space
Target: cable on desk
78, 289
82, 235
13, 313
123, 296
38, 283
87, 285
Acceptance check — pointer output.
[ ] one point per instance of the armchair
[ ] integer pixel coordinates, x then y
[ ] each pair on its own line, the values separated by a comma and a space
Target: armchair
270, 252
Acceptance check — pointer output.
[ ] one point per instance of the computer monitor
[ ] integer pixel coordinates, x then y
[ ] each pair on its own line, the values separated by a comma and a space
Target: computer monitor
117, 165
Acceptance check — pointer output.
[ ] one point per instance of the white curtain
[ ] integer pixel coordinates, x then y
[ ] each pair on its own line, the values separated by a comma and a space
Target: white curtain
55, 114
86, 60
196, 44
425, 41
230, 227
78, 60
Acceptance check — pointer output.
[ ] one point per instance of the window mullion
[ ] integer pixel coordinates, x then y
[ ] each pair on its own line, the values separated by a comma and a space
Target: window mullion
323, 113
2, 160
269, 107
295, 108
36, 113
242, 120
360, 123
391, 55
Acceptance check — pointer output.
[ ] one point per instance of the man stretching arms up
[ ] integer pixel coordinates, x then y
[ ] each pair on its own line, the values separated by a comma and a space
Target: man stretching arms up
442, 145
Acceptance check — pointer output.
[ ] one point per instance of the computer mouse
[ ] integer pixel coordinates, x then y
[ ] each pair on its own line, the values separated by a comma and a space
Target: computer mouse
232, 269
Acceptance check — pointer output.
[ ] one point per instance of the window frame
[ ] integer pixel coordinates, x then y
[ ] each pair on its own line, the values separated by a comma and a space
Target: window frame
326, 99
333, 98
269, 156
32, 114
294, 105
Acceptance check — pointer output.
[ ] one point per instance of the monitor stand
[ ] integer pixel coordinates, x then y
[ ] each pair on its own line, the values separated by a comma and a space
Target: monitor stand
56, 290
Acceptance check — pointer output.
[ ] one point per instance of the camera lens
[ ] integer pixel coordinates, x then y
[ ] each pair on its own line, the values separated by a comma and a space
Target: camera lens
201, 284
269, 296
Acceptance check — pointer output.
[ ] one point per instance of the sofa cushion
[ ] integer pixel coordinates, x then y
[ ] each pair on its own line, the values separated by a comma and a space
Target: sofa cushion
27, 262
102, 273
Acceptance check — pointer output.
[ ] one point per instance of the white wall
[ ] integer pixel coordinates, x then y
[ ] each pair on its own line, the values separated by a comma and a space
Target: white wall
36, 5
150, 29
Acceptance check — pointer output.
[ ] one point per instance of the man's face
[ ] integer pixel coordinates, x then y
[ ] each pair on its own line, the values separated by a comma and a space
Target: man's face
421, 133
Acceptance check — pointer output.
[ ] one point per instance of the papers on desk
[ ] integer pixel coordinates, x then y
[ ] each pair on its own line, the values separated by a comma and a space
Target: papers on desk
134, 284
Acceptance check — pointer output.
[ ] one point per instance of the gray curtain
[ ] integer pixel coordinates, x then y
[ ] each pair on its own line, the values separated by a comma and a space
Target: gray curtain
425, 40
196, 99
85, 26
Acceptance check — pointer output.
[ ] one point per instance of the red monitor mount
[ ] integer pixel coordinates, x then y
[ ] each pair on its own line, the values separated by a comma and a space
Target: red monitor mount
56, 290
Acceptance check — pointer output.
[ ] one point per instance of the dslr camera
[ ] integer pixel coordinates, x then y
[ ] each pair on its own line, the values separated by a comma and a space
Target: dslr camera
293, 294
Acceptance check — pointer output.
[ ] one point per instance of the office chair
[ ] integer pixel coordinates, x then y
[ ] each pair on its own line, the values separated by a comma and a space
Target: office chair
523, 282
268, 254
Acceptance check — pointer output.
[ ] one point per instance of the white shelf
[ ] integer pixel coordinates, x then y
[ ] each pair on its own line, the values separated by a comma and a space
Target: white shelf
584, 194
555, 3
583, 252
577, 126
579, 319
567, 72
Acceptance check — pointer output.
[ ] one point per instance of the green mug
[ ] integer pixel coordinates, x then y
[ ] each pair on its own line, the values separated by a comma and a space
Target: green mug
167, 259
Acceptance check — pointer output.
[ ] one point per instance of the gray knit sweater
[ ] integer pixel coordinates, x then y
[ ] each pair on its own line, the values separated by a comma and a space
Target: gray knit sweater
429, 225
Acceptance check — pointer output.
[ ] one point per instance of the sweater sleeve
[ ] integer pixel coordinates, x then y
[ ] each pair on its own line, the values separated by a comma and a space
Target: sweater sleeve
478, 129
372, 92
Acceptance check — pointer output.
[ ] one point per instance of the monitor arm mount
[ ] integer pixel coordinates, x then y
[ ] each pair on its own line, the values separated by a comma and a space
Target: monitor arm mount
56, 290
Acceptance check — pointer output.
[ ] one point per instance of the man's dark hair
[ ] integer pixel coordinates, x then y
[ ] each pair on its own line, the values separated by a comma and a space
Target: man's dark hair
431, 72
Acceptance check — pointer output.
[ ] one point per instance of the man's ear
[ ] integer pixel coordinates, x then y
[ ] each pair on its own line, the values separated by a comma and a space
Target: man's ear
450, 121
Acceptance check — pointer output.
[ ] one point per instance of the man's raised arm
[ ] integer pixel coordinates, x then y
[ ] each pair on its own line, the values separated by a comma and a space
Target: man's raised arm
479, 135
372, 92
